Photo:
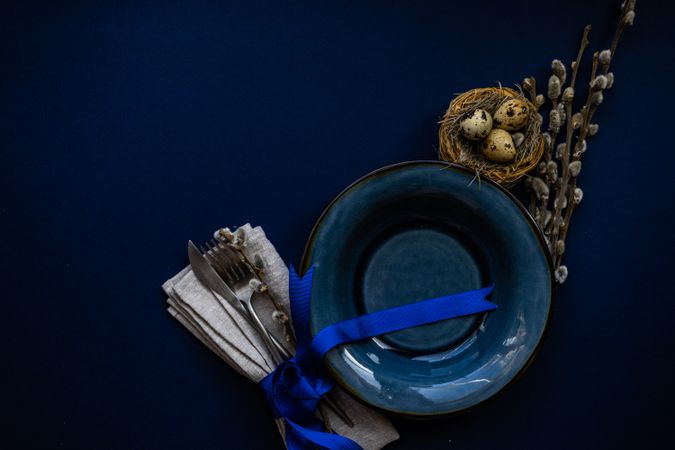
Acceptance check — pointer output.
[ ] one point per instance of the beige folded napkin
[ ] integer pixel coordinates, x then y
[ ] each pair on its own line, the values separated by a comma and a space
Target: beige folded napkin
222, 329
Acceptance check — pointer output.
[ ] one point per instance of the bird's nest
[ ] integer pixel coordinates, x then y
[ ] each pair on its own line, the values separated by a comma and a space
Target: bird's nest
456, 148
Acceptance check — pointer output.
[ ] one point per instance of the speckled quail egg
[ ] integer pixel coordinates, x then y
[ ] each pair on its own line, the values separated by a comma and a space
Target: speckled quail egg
498, 146
476, 124
511, 115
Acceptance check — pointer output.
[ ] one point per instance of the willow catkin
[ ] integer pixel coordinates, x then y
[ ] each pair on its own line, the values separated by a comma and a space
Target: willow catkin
605, 57
578, 195
580, 147
554, 120
599, 82
610, 79
597, 98
540, 188
629, 18
559, 70
554, 87
577, 119
561, 274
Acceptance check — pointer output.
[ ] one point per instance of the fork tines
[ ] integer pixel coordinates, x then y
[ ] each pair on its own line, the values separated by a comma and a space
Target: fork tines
227, 262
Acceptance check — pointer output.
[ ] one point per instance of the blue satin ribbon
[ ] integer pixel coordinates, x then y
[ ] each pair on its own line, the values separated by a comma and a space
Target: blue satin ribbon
294, 389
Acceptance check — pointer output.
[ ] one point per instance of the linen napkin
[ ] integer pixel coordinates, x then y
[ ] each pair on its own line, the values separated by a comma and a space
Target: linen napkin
222, 329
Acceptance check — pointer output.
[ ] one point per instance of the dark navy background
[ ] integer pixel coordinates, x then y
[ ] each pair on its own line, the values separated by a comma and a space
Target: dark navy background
127, 128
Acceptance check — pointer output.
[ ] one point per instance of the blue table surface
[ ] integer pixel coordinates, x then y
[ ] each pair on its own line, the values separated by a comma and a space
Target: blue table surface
127, 128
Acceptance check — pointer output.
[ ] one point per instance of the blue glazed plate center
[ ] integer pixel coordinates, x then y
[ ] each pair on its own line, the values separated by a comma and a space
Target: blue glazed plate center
417, 262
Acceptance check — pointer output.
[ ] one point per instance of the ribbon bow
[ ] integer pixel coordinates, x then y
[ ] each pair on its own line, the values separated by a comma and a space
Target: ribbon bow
295, 387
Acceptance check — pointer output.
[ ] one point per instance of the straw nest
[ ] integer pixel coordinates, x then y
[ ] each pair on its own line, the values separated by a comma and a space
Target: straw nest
456, 148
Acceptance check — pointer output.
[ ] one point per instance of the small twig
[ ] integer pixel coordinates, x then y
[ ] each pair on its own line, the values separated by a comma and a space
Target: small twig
582, 48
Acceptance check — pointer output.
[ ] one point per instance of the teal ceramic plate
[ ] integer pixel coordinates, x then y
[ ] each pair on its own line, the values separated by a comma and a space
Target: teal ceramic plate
419, 230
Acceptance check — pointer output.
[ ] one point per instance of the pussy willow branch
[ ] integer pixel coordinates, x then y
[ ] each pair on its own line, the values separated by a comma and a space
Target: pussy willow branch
562, 194
568, 135
589, 111
556, 175
560, 232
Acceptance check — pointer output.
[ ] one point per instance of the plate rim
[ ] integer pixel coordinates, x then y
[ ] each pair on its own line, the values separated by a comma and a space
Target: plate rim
304, 265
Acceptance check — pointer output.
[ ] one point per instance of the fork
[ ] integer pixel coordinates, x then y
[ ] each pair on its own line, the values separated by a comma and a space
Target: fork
243, 282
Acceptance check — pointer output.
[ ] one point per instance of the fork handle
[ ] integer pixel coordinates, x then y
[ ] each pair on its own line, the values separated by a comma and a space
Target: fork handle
264, 334
282, 350
248, 316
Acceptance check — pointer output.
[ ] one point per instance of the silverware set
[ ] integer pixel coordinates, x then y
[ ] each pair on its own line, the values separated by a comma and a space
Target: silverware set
220, 268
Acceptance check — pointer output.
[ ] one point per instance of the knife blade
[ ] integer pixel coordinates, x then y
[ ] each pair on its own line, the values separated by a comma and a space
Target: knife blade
208, 276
